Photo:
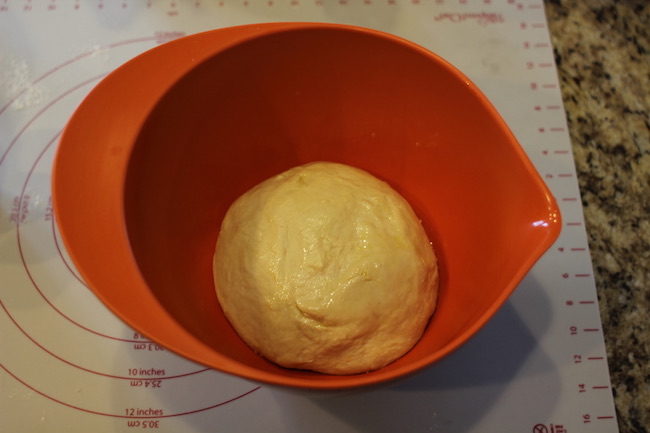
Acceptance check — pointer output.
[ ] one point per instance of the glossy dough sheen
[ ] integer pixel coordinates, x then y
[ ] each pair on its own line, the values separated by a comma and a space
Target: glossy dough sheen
325, 267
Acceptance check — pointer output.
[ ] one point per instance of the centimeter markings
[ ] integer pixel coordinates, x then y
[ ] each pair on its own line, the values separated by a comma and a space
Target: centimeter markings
174, 7
589, 371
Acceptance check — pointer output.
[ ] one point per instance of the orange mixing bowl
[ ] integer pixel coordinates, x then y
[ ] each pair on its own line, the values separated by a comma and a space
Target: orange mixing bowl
154, 156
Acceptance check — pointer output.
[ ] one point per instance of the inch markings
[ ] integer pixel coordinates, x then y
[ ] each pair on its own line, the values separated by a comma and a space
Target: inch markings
587, 372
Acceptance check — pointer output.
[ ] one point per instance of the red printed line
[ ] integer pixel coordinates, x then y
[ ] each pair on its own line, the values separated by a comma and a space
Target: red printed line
591, 329
565, 175
600, 387
553, 107
558, 129
72, 60
546, 65
583, 275
549, 86
578, 249
596, 358
569, 199
123, 416
43, 110
63, 259
70, 363
22, 256
587, 302
541, 45
605, 417
574, 224
561, 152
52, 71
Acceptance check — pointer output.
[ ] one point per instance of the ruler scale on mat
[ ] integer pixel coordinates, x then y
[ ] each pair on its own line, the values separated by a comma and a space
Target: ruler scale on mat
67, 363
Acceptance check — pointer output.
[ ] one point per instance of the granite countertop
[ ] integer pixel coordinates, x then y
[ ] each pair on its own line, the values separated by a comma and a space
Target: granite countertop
602, 50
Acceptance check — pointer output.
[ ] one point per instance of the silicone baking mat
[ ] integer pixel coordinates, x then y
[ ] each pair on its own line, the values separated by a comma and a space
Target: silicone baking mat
67, 364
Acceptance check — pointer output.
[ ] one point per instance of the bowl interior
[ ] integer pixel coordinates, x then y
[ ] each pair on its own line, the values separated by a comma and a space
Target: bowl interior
343, 95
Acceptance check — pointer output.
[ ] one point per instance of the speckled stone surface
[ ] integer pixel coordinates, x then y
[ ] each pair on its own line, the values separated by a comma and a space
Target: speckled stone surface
602, 49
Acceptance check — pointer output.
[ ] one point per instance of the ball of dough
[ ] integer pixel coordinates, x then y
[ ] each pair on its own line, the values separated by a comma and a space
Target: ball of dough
325, 267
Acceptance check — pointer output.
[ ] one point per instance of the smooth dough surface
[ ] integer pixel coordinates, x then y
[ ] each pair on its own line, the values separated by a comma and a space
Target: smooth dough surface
327, 268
